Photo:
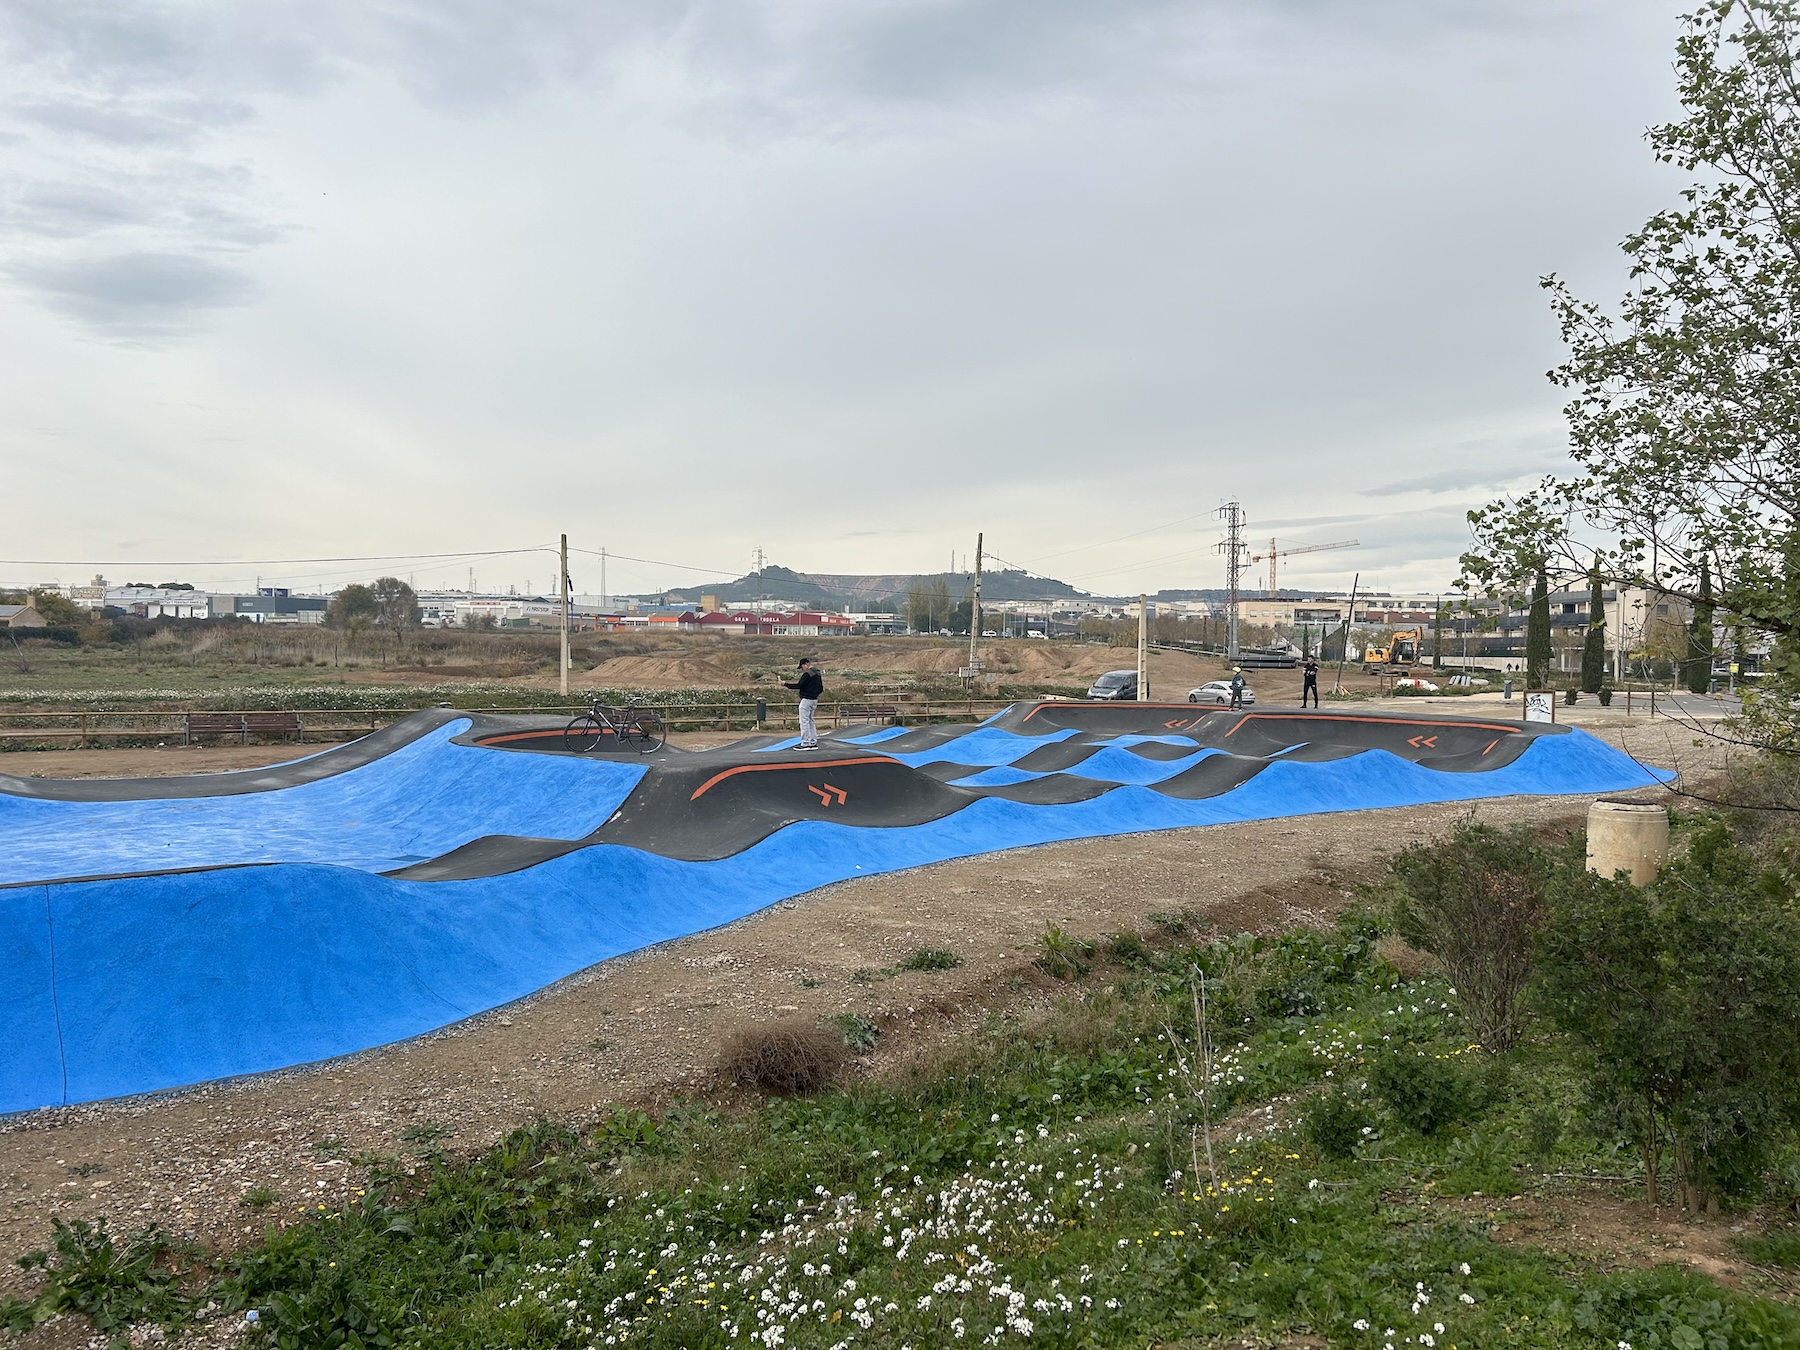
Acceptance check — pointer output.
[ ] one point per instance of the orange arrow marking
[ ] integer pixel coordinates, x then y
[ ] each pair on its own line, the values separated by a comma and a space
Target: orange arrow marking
826, 794
1429, 742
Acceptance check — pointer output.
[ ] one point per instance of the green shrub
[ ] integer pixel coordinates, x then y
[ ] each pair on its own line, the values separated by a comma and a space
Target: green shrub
1480, 1161
1682, 996
1128, 949
113, 1284
1476, 901
931, 958
1336, 1123
1427, 1091
860, 1033
1063, 957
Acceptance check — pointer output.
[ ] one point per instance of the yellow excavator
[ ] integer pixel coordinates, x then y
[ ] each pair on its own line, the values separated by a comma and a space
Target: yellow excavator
1402, 651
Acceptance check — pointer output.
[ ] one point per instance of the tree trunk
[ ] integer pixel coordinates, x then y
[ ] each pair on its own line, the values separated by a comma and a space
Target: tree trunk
1593, 650
1537, 635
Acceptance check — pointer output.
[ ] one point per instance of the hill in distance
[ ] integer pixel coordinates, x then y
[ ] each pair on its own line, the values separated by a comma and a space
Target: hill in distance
835, 590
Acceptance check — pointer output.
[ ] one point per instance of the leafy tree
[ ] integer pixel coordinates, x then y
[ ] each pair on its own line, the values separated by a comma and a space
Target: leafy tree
396, 605
1537, 634
1593, 646
353, 608
1685, 411
928, 605
1700, 636
1682, 996
57, 609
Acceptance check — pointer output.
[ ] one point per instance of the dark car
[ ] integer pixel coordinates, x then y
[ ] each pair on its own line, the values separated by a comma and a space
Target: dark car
1115, 685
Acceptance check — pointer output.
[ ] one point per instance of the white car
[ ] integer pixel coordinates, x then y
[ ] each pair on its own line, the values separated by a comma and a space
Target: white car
1219, 692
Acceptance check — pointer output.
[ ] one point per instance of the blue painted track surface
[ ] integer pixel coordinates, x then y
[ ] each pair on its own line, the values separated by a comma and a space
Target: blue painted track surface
142, 983
423, 799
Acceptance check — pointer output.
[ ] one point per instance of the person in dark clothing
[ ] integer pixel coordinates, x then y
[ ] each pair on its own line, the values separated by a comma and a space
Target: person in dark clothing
809, 686
1237, 686
1309, 683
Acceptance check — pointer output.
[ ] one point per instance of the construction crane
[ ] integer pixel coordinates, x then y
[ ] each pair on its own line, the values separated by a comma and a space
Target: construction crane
1274, 554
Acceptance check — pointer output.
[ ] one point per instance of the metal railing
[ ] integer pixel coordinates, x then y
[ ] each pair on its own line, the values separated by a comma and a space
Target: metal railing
86, 727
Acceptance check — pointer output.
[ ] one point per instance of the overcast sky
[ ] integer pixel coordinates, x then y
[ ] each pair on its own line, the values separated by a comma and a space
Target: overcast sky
846, 280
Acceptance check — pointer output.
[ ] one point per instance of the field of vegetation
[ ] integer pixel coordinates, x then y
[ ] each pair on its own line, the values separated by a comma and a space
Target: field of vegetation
1322, 1134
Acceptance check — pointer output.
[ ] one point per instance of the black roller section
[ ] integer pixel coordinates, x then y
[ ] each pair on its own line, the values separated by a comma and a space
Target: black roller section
1161, 751
1054, 789
704, 807
948, 770
1212, 776
489, 856
1059, 755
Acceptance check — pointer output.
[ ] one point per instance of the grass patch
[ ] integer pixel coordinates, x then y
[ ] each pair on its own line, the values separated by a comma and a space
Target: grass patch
860, 1033
1236, 1140
1043, 1180
931, 958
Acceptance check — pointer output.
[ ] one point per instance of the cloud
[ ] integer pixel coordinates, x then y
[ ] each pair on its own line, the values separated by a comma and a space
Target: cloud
139, 295
1460, 479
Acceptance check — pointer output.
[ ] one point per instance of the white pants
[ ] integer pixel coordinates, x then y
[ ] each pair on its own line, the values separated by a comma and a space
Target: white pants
809, 725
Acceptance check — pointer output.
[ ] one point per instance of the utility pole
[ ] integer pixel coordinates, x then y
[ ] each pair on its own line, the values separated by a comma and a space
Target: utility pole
604, 606
975, 617
1143, 683
1232, 546
1349, 619
563, 594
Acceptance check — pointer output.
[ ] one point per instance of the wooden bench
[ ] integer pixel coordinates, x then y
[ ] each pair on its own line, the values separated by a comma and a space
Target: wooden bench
241, 724
864, 712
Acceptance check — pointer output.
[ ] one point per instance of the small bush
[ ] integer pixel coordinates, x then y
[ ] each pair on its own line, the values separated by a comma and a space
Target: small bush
259, 1197
931, 958
1063, 957
625, 1132
1334, 1124
1476, 901
1128, 949
859, 1033
1427, 1092
788, 1059
1173, 922
1481, 1161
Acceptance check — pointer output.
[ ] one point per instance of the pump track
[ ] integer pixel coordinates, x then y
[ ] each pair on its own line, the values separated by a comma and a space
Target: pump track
161, 932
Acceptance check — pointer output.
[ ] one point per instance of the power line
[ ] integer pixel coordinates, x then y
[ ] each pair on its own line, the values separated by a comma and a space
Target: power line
1168, 525
262, 562
654, 562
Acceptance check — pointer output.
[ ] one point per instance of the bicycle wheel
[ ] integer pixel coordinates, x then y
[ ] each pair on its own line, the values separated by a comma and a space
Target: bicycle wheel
643, 731
582, 734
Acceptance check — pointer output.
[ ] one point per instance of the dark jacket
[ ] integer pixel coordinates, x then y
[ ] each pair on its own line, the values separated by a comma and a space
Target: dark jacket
810, 684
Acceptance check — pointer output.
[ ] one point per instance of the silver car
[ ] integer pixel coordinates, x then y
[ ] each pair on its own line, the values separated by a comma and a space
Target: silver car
1218, 692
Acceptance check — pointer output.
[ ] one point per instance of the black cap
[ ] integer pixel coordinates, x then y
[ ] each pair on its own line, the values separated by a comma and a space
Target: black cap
805, 661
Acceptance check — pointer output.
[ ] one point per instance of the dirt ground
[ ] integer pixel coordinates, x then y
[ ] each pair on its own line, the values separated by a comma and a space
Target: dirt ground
645, 1028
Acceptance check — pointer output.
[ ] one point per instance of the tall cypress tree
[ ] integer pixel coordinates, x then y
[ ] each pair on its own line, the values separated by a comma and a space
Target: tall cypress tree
1537, 634
1593, 651
1700, 636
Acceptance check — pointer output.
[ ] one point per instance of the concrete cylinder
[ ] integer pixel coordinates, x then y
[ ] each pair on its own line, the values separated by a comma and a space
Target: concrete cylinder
1627, 837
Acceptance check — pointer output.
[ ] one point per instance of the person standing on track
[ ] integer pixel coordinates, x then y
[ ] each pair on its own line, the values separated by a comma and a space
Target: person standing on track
1310, 681
809, 686
1237, 686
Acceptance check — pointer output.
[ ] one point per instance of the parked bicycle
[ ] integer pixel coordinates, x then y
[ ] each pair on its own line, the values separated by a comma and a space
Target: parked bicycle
633, 727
